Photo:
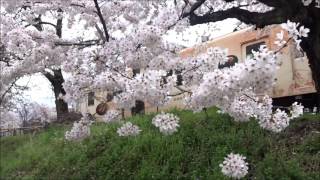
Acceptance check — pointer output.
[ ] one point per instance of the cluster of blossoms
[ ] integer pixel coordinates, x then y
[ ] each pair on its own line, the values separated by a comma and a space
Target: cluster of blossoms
128, 129
278, 120
166, 122
296, 110
221, 87
111, 116
80, 130
244, 107
296, 32
308, 2
134, 40
234, 166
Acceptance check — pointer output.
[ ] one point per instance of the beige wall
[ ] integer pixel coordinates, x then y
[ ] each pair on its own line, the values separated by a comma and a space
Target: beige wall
82, 106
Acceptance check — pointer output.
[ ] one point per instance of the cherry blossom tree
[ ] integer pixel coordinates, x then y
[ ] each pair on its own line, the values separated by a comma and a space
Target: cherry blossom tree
130, 35
27, 50
123, 49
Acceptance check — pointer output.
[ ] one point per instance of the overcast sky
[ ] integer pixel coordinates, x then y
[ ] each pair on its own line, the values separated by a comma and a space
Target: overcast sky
40, 88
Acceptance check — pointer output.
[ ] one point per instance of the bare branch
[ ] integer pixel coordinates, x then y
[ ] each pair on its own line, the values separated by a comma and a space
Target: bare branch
103, 22
45, 23
275, 16
81, 43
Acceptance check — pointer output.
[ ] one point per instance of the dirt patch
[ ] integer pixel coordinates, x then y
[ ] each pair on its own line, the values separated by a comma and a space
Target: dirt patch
299, 130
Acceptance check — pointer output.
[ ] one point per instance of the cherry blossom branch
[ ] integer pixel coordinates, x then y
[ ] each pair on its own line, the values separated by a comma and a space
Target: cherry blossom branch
117, 71
183, 90
82, 43
42, 22
103, 22
193, 68
283, 46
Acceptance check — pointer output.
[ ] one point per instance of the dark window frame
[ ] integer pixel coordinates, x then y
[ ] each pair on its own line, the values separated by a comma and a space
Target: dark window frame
233, 59
91, 98
253, 47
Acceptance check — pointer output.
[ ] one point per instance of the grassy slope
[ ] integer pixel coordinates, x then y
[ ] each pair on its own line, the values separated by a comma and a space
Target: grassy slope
194, 152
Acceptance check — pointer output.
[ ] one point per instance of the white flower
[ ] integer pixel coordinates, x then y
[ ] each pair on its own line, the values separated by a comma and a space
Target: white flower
303, 31
234, 166
111, 116
128, 129
291, 27
278, 122
296, 111
80, 130
166, 122
317, 3
306, 2
294, 33
280, 42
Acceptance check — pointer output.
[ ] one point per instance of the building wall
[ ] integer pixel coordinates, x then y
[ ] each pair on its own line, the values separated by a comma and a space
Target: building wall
82, 106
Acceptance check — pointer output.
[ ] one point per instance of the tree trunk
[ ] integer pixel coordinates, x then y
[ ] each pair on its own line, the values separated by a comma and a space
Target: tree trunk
311, 45
56, 81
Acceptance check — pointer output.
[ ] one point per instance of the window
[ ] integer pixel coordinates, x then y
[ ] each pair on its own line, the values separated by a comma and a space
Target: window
179, 77
232, 60
139, 108
135, 72
91, 98
253, 47
109, 96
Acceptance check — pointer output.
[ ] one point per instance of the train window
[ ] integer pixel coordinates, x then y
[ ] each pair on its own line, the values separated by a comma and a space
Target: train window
90, 98
170, 73
109, 96
179, 77
232, 60
138, 108
135, 72
253, 47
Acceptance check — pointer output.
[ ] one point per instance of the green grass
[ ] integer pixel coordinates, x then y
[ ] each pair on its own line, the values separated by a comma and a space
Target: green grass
194, 152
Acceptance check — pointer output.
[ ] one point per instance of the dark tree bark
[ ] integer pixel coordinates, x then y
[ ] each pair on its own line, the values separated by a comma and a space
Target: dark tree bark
56, 79
311, 45
283, 10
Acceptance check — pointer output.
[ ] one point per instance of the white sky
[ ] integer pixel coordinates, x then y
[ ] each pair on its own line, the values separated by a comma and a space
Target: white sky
40, 88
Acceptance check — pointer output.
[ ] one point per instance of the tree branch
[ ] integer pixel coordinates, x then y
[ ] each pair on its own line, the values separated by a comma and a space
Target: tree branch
283, 10
103, 22
59, 25
42, 22
275, 16
81, 43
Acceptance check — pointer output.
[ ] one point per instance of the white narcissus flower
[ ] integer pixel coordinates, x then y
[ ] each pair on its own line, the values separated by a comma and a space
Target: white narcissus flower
166, 122
128, 129
234, 166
